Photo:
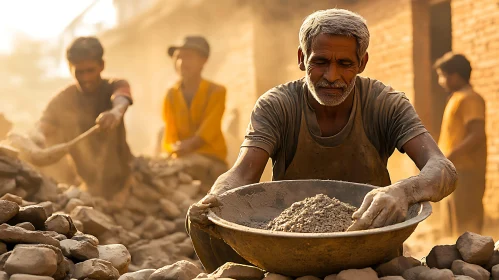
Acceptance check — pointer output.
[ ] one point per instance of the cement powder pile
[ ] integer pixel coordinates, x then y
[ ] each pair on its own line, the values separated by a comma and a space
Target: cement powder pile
318, 214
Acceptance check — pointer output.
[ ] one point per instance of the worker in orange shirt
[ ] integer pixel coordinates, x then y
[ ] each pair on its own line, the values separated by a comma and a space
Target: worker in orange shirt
463, 141
192, 112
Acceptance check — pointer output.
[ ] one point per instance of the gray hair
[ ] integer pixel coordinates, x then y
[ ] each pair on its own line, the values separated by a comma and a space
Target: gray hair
334, 22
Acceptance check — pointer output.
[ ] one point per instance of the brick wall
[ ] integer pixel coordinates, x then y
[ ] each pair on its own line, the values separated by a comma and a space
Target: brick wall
474, 24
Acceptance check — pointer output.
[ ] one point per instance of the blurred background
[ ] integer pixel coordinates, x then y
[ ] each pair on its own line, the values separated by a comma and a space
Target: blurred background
254, 44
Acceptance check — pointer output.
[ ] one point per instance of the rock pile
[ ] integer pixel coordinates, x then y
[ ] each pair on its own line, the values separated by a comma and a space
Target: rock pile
472, 257
38, 244
149, 221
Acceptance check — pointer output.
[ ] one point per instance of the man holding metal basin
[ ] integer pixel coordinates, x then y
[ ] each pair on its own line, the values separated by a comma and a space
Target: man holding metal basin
332, 125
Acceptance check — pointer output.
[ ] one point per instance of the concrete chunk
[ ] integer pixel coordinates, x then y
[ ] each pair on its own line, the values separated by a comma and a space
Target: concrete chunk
442, 256
475, 248
79, 250
474, 271
397, 266
117, 255
137, 275
351, 274
95, 269
8, 210
181, 270
32, 260
11, 234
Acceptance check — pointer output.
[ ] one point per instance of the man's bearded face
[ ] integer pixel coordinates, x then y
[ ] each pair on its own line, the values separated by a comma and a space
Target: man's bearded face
332, 67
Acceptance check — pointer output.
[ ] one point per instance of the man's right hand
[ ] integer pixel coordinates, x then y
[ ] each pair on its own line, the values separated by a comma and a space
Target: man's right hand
198, 212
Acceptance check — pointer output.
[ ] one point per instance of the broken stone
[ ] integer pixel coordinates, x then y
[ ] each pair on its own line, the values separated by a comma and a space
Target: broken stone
26, 226
4, 275
20, 192
145, 192
118, 235
475, 248
435, 273
96, 269
442, 256
86, 237
184, 178
29, 277
494, 260
182, 200
63, 269
350, 274
413, 273
191, 190
87, 199
33, 260
274, 276
308, 277
34, 214
3, 248
186, 248
117, 255
124, 221
79, 250
78, 225
462, 277
47, 192
56, 250
48, 206
72, 192
157, 253
392, 278
397, 266
62, 224
94, 222
72, 204
181, 270
495, 272
12, 234
474, 271
7, 185
14, 198
56, 235
169, 208
3, 259
137, 275
8, 210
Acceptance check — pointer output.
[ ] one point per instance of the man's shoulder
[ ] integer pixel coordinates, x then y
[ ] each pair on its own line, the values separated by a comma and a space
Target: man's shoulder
215, 87
374, 94
65, 94
290, 92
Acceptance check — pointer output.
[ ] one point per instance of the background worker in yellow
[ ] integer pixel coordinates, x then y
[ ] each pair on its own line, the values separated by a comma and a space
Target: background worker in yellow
463, 141
192, 112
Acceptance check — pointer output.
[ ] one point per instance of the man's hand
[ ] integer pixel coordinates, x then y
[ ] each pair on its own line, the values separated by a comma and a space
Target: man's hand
109, 119
187, 146
198, 213
382, 207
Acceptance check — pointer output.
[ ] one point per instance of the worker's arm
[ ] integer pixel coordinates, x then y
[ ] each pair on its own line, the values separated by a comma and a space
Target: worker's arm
112, 118
248, 169
389, 205
475, 137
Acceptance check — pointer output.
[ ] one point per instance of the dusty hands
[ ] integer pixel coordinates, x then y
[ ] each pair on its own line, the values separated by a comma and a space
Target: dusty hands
198, 214
382, 207
109, 119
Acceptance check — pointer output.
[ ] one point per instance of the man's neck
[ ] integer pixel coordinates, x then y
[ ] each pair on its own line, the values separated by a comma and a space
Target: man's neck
191, 84
332, 119
463, 87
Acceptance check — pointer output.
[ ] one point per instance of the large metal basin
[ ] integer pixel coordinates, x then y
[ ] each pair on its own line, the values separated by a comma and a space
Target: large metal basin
299, 254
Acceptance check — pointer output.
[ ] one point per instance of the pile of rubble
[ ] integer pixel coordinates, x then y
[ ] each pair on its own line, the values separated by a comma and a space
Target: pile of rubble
149, 221
38, 244
472, 257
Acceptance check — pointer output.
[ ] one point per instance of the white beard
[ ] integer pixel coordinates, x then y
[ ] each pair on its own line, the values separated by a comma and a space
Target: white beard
331, 100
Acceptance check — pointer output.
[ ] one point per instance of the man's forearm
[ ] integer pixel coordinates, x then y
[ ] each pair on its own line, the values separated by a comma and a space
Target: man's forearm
120, 104
436, 180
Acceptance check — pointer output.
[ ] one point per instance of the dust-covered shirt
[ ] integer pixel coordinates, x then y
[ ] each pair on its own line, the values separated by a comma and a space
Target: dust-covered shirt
389, 121
102, 160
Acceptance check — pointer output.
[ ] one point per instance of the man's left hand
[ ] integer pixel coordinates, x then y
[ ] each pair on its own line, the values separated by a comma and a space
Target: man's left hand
382, 207
109, 120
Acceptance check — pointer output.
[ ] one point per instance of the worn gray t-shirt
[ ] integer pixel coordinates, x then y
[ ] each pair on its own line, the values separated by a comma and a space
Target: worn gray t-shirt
389, 120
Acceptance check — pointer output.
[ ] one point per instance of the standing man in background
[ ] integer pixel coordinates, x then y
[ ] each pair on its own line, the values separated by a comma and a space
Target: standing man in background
463, 141
102, 160
192, 113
